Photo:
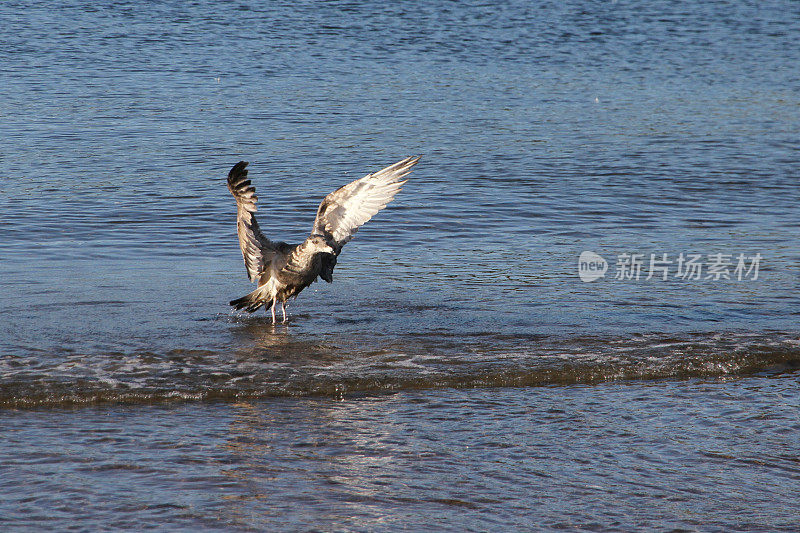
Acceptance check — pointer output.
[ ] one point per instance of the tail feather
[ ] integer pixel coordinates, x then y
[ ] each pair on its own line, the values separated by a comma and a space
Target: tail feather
252, 301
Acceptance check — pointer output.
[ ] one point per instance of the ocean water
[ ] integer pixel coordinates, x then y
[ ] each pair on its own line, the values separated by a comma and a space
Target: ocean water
459, 373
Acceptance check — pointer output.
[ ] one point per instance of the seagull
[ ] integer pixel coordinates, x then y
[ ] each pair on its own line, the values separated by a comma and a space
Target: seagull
283, 270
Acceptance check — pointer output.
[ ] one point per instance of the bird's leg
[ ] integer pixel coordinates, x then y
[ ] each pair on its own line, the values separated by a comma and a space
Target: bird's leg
273, 311
283, 308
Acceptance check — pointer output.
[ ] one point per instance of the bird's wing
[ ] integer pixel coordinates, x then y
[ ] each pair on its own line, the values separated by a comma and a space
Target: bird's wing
257, 250
346, 209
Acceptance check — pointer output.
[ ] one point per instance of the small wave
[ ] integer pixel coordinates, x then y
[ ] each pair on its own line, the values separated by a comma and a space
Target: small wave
285, 367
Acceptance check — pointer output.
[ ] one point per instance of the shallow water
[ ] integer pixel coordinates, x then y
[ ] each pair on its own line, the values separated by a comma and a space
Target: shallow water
680, 456
545, 132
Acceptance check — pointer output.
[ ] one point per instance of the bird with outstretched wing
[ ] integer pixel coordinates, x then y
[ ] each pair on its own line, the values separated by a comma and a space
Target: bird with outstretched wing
283, 270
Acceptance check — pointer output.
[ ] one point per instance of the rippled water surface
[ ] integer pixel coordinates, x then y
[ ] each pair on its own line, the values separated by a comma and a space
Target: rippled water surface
677, 456
546, 130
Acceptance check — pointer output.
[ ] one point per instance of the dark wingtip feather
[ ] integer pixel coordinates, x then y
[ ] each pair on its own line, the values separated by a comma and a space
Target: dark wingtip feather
238, 183
238, 171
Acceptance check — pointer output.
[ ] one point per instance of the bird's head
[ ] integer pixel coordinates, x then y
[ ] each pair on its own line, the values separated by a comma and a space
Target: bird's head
321, 245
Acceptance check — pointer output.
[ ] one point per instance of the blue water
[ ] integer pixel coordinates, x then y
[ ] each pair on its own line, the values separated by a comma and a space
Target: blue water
546, 130
684, 455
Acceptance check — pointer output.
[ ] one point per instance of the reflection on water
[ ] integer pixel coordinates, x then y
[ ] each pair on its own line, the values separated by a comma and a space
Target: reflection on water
699, 453
455, 459
546, 130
